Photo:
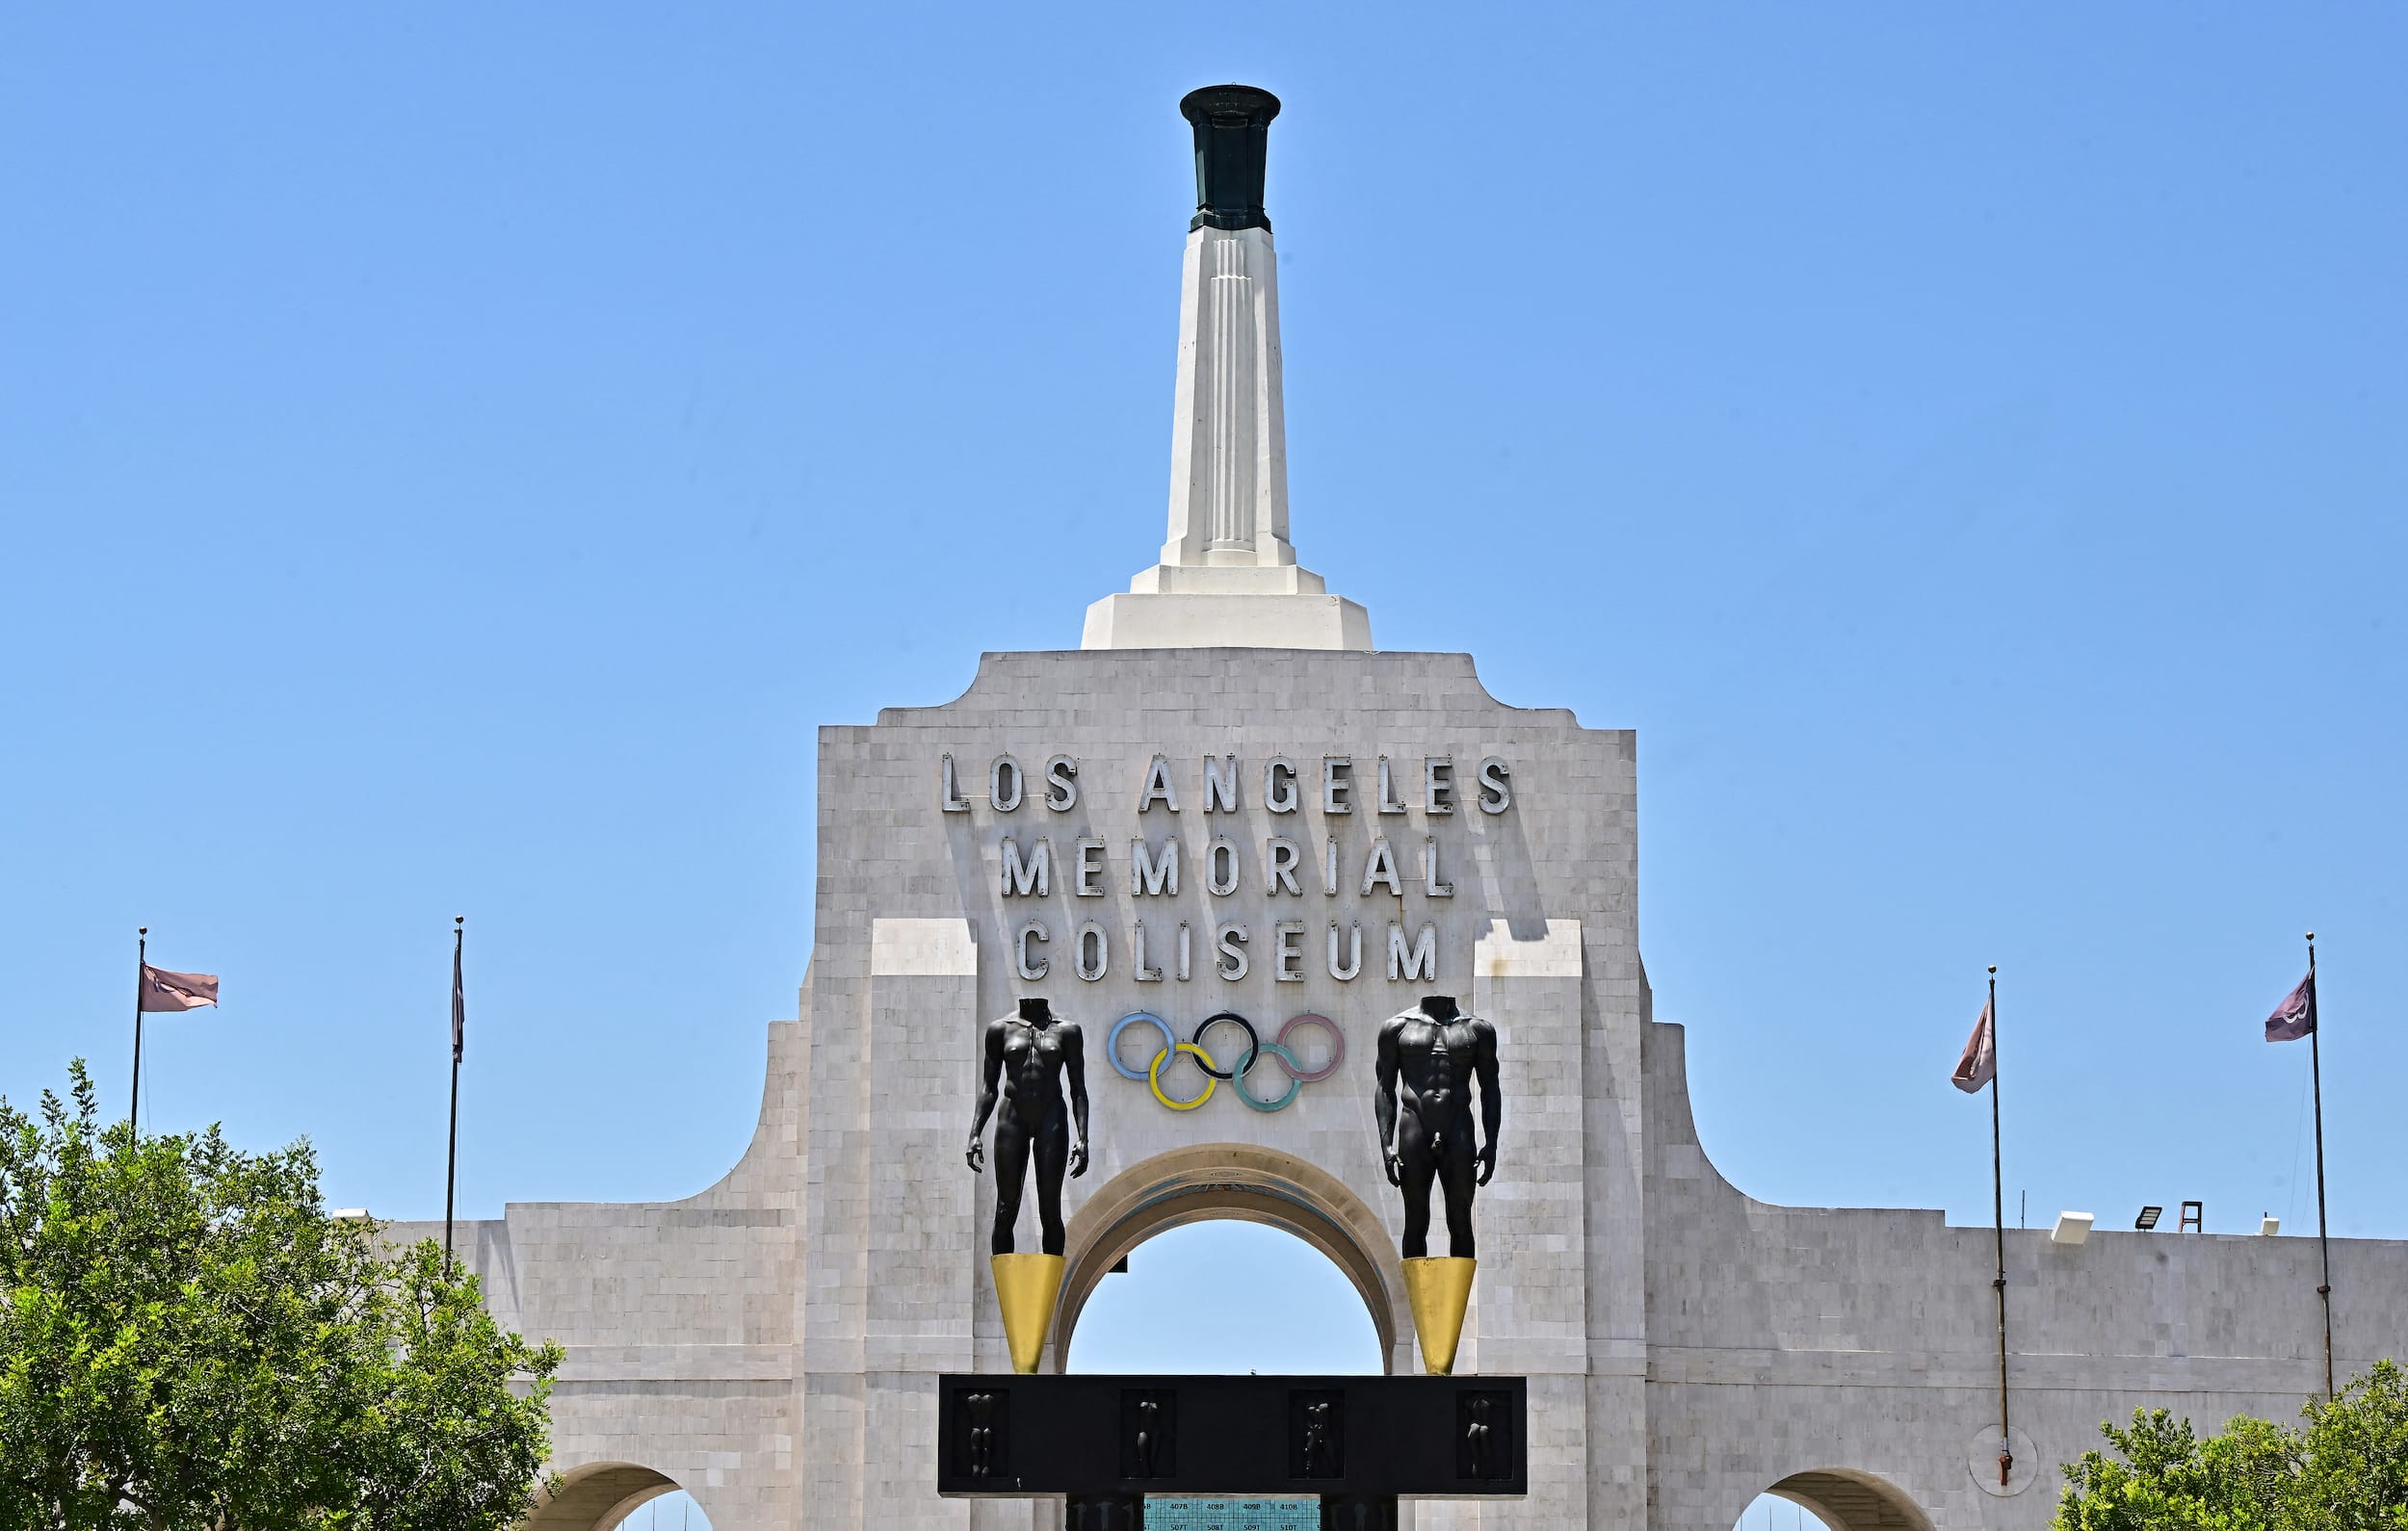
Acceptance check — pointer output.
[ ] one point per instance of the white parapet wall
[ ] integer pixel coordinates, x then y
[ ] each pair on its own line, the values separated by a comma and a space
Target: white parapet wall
1225, 802
773, 1343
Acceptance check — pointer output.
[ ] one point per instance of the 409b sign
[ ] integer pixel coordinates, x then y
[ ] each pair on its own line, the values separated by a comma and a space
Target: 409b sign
1231, 1028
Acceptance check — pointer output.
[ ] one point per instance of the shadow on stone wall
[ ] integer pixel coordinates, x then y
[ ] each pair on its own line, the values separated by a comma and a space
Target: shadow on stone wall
598, 1496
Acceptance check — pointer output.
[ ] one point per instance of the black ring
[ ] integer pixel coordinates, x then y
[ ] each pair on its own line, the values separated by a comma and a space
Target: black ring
1253, 1043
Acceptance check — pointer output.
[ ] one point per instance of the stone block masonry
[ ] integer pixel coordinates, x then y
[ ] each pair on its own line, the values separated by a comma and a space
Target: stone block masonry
772, 1343
1225, 801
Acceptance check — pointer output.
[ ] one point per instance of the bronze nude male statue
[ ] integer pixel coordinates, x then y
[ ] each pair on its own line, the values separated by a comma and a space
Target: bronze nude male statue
1429, 1058
1027, 1055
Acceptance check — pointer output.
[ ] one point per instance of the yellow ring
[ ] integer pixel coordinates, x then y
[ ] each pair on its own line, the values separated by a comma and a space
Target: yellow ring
1154, 1075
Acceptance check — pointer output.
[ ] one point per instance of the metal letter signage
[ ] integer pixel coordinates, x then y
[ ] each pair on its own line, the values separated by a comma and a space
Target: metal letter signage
1174, 1049
1263, 907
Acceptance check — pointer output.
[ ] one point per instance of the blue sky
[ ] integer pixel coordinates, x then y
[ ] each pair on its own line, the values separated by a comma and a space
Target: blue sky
453, 460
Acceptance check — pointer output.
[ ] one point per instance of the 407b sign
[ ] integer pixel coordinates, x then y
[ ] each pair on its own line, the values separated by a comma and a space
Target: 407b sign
1242, 1050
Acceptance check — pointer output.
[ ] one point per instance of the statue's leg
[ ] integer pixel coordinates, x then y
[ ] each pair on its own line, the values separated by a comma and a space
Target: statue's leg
1418, 1166
1456, 1179
1011, 1170
1053, 1157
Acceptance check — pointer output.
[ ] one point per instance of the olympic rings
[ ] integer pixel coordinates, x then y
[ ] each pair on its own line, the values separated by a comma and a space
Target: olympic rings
1278, 1049
1337, 1047
1111, 1044
1295, 1082
1253, 1043
1211, 1081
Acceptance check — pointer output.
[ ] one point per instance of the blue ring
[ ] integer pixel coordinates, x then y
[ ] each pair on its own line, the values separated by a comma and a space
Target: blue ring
1111, 1044
1295, 1080
1253, 1043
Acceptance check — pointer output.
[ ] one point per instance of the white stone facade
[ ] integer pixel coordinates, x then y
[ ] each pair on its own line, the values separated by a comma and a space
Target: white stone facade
771, 1344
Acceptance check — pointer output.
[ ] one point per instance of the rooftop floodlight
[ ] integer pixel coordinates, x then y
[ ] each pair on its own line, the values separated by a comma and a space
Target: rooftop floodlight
2148, 1219
2071, 1228
2269, 1226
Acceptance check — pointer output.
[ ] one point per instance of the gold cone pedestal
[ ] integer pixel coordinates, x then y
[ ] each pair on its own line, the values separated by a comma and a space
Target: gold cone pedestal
1026, 1287
1440, 1289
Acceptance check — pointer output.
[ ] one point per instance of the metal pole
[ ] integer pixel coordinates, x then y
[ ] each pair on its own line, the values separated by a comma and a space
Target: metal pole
1998, 1218
2324, 1245
451, 1158
451, 1167
142, 960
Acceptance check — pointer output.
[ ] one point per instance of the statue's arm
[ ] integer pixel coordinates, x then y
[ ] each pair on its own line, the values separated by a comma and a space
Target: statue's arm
1074, 1067
993, 1074
1491, 1097
1384, 1097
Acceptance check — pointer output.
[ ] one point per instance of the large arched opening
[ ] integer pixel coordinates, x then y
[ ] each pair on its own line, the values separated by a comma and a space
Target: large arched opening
1841, 1498
609, 1496
1248, 1183
1226, 1296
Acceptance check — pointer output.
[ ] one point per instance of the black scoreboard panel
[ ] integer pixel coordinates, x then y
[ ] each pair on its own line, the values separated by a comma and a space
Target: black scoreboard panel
1014, 1435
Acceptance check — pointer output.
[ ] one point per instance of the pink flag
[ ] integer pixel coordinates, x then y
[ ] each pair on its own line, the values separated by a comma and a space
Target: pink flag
1981, 1063
2296, 1016
163, 990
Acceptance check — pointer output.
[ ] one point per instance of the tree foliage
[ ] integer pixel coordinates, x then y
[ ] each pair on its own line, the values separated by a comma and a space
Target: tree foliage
2344, 1469
188, 1343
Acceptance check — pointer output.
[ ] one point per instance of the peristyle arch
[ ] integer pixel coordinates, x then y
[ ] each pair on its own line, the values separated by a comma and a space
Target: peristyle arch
597, 1496
1251, 1183
1853, 1501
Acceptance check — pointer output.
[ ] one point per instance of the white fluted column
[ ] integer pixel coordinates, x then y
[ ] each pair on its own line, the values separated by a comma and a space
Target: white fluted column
1228, 576
1228, 445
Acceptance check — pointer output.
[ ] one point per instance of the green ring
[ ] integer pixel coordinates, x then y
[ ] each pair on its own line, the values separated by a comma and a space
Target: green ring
1295, 1080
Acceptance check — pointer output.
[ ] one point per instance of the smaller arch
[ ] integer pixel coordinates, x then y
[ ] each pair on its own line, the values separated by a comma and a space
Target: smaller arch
1851, 1500
597, 1496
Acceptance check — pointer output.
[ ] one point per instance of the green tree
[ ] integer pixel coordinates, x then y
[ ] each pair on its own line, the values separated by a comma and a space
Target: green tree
188, 1343
2345, 1470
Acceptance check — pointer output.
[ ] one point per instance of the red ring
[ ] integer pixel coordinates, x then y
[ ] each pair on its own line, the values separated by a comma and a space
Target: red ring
1337, 1045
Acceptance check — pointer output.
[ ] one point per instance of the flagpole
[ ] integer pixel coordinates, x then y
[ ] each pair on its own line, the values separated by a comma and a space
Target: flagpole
451, 1161
142, 960
1998, 1218
2324, 1245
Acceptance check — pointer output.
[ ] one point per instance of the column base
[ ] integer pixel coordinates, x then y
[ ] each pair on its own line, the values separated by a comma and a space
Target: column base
1211, 621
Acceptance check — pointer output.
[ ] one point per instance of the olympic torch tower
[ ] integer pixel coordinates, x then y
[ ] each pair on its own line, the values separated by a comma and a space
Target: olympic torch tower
1228, 575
